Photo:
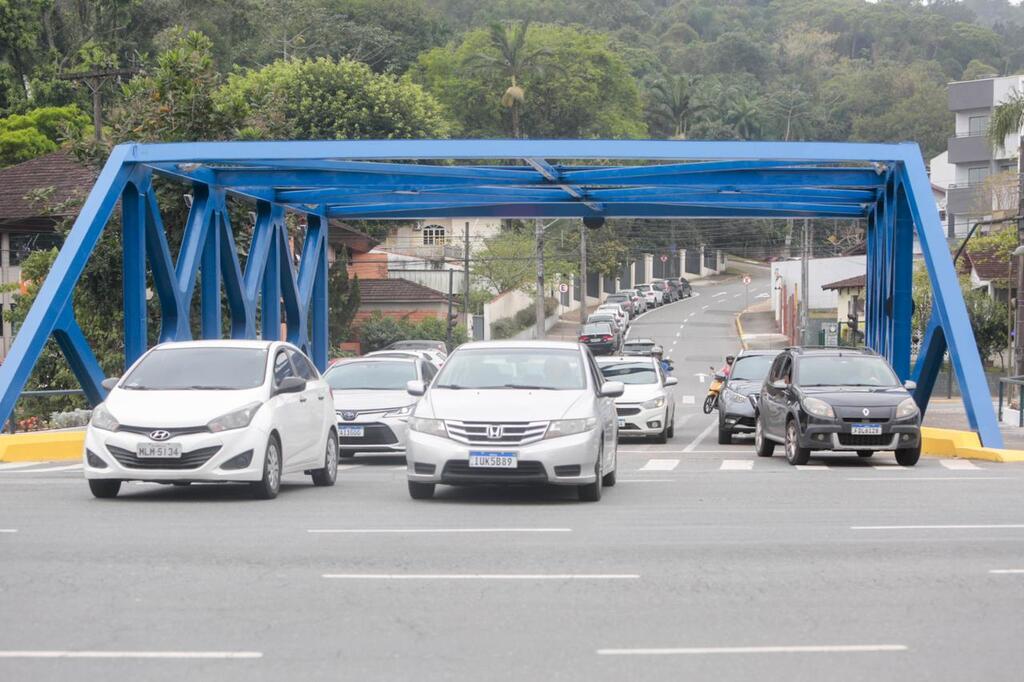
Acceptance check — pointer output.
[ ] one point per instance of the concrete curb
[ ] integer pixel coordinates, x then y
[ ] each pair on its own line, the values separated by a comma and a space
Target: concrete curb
42, 446
739, 329
964, 445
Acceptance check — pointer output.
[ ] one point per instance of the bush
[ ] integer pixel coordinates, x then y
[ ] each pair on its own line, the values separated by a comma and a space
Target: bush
378, 331
522, 319
67, 420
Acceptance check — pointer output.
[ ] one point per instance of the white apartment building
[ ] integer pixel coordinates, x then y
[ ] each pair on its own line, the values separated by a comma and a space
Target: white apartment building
430, 243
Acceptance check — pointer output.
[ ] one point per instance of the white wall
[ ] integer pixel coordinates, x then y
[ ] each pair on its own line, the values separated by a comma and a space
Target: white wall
821, 271
941, 171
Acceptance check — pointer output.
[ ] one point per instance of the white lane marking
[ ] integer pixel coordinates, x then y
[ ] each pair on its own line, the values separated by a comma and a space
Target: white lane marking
653, 451
705, 307
691, 314
812, 467
481, 576
17, 465
688, 400
438, 530
403, 467
68, 467
720, 293
8, 530
764, 295
344, 467
963, 526
891, 467
958, 464
737, 465
736, 295
800, 649
131, 654
932, 478
702, 376
660, 465
678, 334
1006, 571
695, 443
646, 480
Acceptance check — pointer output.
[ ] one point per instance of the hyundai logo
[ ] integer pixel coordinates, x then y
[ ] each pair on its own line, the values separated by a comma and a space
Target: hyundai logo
159, 434
348, 415
865, 411
495, 431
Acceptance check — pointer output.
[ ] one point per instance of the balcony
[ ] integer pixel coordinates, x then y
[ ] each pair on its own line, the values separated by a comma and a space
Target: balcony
966, 199
967, 95
969, 148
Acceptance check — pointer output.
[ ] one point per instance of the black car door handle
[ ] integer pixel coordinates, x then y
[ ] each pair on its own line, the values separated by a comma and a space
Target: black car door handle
302, 400
319, 397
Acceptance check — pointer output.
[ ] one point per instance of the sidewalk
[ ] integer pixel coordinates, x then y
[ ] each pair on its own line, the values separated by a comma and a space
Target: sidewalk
757, 328
949, 413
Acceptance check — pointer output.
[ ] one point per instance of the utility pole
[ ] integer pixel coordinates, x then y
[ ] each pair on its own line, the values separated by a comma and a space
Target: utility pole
450, 321
805, 277
465, 278
539, 303
95, 80
1018, 338
583, 273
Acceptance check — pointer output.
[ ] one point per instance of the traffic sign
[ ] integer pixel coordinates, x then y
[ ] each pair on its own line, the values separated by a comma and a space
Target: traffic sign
746, 279
563, 287
664, 258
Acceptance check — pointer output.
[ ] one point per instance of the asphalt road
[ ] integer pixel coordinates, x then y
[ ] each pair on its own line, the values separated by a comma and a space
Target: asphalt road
704, 563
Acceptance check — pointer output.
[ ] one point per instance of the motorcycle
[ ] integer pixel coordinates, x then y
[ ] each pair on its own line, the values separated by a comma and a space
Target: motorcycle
717, 382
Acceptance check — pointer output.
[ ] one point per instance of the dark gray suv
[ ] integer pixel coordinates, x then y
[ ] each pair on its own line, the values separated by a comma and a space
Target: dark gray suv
739, 395
836, 399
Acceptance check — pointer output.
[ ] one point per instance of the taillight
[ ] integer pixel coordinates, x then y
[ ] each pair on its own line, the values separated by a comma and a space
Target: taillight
583, 338
606, 338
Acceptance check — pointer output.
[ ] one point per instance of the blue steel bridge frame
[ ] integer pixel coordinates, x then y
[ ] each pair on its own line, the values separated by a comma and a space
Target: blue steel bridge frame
884, 184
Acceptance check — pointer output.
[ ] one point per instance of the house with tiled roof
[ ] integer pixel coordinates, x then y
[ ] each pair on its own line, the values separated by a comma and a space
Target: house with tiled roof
400, 299
990, 271
851, 296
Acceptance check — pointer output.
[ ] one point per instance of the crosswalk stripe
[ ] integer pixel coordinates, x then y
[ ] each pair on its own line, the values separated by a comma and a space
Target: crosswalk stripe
959, 464
69, 467
737, 464
345, 467
688, 400
5, 466
812, 467
660, 465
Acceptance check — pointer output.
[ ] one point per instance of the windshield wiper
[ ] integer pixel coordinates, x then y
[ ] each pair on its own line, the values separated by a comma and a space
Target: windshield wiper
200, 387
528, 387
455, 387
129, 387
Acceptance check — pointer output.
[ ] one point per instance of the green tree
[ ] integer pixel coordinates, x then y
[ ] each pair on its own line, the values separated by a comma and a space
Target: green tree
343, 302
508, 261
673, 105
39, 131
1007, 119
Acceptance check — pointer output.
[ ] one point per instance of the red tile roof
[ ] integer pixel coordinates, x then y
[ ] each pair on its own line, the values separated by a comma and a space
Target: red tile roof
69, 178
989, 266
397, 291
848, 283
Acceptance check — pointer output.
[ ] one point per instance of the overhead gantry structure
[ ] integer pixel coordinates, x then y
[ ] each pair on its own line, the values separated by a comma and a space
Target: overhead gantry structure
884, 184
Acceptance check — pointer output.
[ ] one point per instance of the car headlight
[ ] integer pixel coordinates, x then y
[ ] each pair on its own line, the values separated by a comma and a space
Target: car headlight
819, 408
654, 402
435, 427
401, 411
102, 419
237, 419
734, 397
907, 408
568, 427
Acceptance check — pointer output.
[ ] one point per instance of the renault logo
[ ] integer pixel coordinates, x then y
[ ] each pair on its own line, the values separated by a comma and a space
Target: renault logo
865, 411
494, 431
159, 434
348, 415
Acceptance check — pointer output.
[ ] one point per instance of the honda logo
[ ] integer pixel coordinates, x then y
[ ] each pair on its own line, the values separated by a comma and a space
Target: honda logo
495, 431
159, 434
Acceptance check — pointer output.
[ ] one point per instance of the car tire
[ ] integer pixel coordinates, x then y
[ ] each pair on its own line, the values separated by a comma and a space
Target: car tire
270, 483
591, 492
724, 436
421, 491
104, 488
709, 403
865, 453
662, 437
762, 446
327, 475
608, 480
672, 427
795, 454
907, 457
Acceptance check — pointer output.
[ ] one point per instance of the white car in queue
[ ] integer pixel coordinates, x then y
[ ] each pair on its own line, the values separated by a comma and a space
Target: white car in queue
514, 412
213, 411
646, 407
371, 402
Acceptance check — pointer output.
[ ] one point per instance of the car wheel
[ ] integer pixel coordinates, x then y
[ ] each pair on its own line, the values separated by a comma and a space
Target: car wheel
709, 403
865, 453
724, 436
591, 492
421, 491
104, 488
662, 437
794, 453
908, 457
672, 427
328, 474
762, 446
270, 484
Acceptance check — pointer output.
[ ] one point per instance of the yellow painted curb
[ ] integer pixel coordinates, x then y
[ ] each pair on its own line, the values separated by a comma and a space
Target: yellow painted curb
963, 444
43, 446
739, 329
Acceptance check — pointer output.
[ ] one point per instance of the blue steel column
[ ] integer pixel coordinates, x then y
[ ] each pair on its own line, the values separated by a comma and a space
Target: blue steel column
133, 285
319, 304
903, 284
270, 296
929, 361
871, 282
81, 359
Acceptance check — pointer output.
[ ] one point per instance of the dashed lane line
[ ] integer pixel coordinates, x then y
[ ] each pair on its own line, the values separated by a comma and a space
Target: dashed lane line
1007, 571
395, 531
963, 526
720, 293
958, 464
8, 530
481, 576
737, 465
134, 654
797, 649
688, 399
660, 465
346, 467
812, 467
695, 443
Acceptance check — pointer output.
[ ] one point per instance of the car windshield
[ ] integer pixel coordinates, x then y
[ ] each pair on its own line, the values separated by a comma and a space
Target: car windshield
617, 299
415, 345
199, 368
538, 368
596, 329
643, 287
844, 370
638, 348
389, 375
751, 368
630, 372
600, 318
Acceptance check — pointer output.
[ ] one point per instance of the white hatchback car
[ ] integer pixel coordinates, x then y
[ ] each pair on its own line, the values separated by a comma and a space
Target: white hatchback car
646, 406
214, 411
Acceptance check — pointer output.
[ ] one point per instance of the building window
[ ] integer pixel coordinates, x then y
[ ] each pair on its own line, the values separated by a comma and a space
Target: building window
433, 235
977, 174
977, 125
24, 244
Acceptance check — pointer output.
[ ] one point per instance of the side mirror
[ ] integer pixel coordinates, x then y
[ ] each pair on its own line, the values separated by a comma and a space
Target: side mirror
910, 385
612, 389
110, 382
291, 385
671, 381
415, 388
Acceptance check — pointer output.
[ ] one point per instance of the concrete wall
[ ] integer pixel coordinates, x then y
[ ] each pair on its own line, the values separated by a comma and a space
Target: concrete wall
822, 271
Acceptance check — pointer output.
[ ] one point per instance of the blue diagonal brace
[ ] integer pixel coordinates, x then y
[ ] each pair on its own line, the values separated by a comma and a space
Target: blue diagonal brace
68, 335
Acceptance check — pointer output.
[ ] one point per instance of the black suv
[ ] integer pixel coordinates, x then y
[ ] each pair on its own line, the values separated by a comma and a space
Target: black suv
836, 399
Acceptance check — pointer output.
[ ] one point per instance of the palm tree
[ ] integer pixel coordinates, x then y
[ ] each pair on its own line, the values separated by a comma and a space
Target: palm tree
673, 103
1007, 119
744, 116
513, 61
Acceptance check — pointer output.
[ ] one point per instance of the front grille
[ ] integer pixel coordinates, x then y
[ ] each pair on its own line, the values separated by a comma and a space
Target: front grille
512, 433
627, 411
174, 431
188, 460
866, 420
459, 471
852, 440
373, 434
567, 470
629, 427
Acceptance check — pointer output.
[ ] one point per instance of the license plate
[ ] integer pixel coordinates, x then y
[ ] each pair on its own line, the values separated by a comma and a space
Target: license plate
866, 429
350, 431
158, 450
493, 460
622, 422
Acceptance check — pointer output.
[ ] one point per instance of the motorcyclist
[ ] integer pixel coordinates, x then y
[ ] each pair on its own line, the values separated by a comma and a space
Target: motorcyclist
727, 367
666, 364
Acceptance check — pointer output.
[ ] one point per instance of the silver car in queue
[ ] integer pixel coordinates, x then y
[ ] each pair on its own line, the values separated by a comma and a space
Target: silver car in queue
515, 412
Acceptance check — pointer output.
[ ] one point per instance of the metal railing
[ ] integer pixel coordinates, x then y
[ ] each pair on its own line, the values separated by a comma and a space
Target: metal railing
1012, 381
50, 393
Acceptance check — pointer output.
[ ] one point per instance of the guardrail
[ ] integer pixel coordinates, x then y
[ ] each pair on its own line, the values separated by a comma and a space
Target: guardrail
11, 426
1012, 381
